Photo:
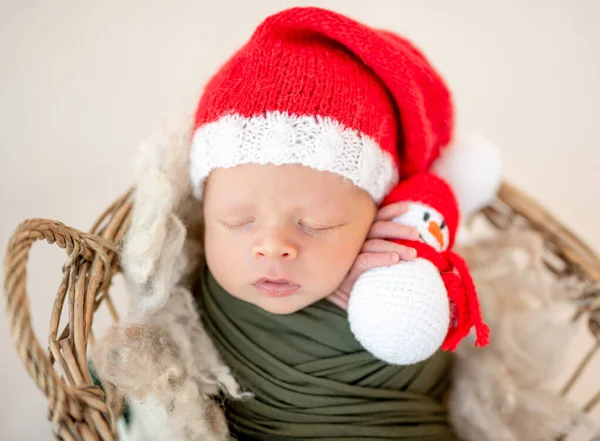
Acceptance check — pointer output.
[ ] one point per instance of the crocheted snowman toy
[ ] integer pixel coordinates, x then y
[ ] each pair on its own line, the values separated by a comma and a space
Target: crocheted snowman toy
404, 313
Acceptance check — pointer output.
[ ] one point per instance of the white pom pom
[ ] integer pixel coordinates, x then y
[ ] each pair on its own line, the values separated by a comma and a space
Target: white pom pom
472, 166
400, 313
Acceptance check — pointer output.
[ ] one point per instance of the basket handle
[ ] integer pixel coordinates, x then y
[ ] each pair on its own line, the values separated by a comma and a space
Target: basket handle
75, 399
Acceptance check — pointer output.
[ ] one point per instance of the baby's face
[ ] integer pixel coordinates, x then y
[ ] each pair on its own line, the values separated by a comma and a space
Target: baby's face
283, 222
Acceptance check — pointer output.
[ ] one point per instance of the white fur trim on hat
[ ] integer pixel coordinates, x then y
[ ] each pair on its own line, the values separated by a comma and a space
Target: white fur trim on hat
281, 138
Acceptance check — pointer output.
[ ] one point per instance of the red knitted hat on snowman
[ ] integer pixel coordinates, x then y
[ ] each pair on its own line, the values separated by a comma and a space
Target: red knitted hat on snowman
432, 191
317, 88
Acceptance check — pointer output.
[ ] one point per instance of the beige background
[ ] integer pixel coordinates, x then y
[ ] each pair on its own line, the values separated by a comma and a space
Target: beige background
82, 83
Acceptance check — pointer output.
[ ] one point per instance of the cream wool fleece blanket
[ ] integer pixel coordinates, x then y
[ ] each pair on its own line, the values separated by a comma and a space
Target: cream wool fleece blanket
159, 356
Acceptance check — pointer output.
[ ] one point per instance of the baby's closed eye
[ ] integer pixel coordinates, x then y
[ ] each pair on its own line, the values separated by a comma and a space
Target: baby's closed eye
317, 229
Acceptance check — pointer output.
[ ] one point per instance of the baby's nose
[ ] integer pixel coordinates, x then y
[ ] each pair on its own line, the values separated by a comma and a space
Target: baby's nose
275, 248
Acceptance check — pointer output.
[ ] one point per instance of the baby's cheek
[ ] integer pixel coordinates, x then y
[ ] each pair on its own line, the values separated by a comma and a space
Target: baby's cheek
212, 248
222, 254
336, 262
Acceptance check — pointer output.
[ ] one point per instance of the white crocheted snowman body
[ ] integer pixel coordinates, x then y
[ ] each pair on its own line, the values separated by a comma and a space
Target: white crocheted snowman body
401, 313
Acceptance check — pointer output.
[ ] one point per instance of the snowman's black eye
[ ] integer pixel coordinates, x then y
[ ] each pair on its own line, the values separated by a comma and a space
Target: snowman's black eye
426, 216
443, 224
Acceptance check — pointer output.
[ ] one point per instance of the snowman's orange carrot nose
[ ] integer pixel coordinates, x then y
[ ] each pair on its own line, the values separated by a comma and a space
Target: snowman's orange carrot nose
436, 232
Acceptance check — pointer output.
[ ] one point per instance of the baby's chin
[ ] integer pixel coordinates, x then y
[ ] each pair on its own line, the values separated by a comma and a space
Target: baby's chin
279, 307
283, 305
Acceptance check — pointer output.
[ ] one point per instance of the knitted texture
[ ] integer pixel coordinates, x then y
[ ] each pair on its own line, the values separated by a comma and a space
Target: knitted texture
400, 313
280, 138
431, 191
429, 222
307, 63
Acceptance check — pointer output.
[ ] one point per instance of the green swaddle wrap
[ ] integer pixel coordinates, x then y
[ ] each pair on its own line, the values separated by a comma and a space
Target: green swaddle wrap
313, 380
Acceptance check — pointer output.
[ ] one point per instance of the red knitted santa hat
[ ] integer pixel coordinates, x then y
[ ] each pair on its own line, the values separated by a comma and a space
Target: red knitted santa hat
432, 191
314, 87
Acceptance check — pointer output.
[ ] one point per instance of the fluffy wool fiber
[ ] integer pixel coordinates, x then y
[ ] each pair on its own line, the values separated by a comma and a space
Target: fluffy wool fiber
500, 392
163, 220
169, 372
159, 357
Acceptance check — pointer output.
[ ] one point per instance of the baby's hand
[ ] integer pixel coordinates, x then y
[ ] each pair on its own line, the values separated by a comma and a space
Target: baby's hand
377, 251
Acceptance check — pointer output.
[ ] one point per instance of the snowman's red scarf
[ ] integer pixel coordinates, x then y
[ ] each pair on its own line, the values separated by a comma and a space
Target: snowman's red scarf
461, 291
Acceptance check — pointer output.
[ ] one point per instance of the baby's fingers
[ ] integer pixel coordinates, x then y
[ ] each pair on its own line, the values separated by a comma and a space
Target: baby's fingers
387, 246
340, 299
392, 230
364, 262
391, 211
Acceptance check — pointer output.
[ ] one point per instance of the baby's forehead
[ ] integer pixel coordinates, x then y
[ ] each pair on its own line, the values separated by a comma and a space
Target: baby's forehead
296, 178
288, 185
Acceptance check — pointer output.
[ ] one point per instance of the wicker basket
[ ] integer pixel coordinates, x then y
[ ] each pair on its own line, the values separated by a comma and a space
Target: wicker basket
77, 407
